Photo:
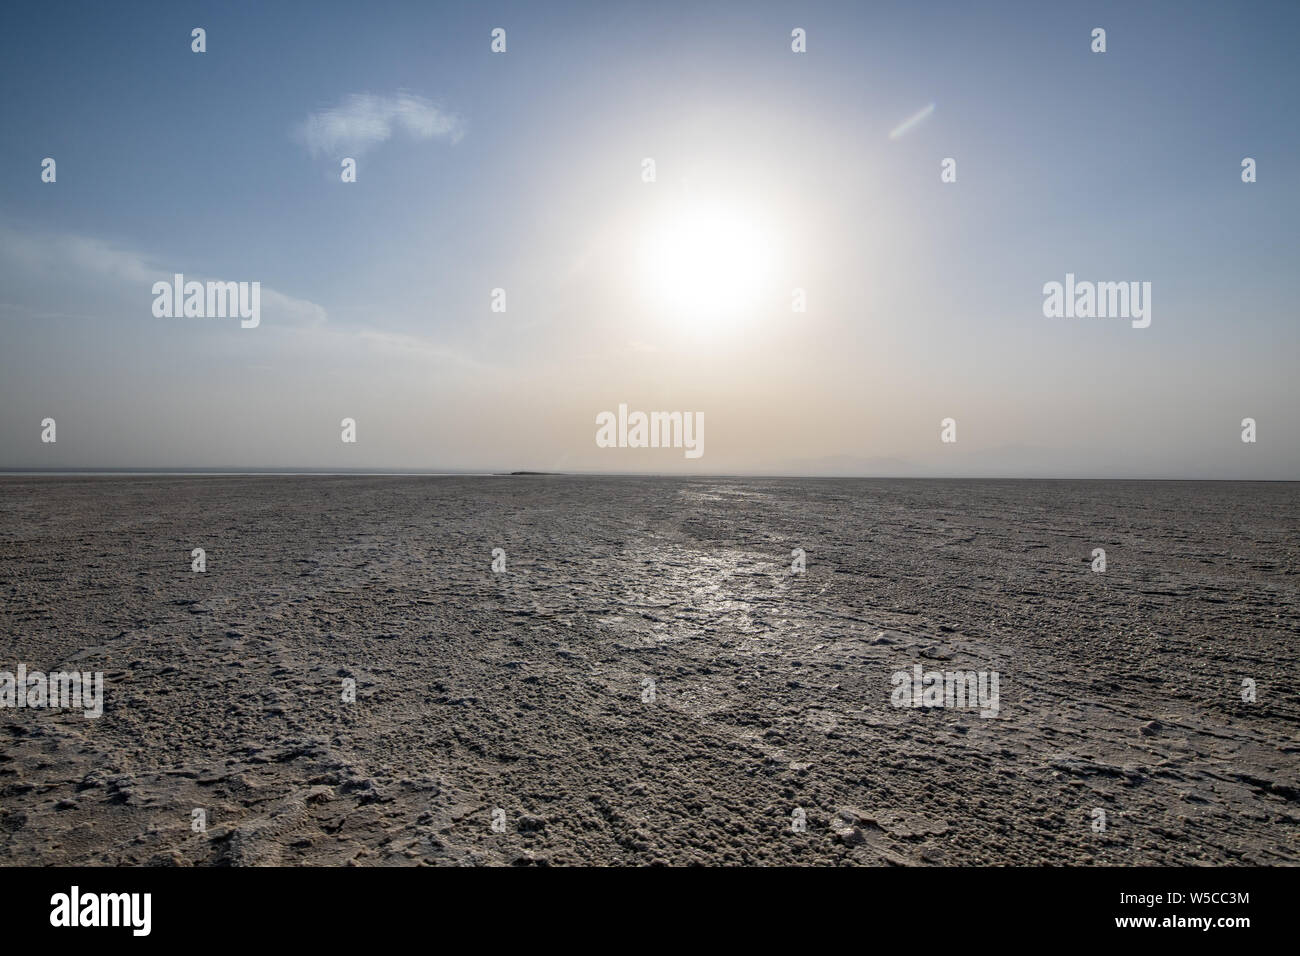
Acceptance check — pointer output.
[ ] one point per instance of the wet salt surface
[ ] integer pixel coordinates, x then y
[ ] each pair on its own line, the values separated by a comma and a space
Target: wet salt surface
524, 691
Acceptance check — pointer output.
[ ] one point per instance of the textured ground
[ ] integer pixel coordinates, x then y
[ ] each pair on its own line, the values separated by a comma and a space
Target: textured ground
523, 691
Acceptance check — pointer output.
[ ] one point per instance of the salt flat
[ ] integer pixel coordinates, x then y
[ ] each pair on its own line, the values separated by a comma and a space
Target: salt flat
648, 681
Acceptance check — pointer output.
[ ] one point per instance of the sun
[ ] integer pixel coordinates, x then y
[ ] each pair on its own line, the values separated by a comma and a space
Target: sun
707, 263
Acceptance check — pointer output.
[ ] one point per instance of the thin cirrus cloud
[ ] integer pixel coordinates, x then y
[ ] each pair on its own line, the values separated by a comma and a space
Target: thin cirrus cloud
89, 261
363, 120
905, 127
113, 271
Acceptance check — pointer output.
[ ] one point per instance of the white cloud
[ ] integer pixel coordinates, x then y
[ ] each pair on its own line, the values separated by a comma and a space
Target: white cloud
411, 346
363, 120
287, 309
73, 259
79, 253
109, 271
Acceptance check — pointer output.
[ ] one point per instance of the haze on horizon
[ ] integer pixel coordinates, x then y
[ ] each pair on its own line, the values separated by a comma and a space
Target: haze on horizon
774, 171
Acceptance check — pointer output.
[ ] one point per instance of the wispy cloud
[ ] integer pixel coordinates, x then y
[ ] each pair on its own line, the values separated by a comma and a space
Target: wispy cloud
75, 258
363, 120
111, 270
83, 253
416, 347
903, 128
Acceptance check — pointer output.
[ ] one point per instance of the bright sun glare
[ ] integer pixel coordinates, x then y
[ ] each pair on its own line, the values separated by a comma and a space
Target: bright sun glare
707, 263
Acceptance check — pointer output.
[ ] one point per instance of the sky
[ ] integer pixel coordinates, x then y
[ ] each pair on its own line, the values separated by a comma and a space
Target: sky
773, 171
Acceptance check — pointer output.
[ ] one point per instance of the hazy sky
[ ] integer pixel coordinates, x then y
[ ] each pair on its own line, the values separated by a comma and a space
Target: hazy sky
774, 171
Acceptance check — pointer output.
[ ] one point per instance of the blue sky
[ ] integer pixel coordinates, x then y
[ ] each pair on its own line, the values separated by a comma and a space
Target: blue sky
924, 298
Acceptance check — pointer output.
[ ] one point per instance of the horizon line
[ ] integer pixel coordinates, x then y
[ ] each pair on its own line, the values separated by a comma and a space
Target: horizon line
180, 472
